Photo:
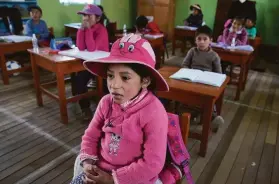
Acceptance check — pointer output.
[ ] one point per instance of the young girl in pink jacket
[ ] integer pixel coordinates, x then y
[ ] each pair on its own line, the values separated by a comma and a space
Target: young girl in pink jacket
91, 36
234, 30
126, 141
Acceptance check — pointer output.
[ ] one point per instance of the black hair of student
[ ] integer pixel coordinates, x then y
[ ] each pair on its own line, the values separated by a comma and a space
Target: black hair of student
143, 72
252, 20
101, 7
240, 19
204, 30
141, 22
30, 8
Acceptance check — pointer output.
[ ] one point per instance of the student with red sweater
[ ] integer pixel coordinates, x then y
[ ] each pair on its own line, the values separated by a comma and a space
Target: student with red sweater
145, 26
91, 36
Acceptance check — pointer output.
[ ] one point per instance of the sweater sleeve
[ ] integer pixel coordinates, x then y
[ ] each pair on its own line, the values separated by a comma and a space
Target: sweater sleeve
29, 30
242, 39
217, 64
91, 137
187, 62
45, 32
228, 36
154, 154
96, 39
81, 39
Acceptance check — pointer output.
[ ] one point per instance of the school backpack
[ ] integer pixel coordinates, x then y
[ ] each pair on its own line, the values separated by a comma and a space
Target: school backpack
177, 148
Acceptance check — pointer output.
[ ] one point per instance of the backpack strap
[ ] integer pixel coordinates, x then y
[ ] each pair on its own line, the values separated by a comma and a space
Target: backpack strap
177, 148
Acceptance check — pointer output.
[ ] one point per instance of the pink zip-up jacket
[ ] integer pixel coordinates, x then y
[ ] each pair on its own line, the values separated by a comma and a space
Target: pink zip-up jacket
95, 38
241, 37
131, 143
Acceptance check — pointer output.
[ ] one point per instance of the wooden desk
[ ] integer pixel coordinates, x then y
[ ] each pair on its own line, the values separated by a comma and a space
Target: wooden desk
71, 29
60, 65
241, 58
181, 34
194, 94
9, 48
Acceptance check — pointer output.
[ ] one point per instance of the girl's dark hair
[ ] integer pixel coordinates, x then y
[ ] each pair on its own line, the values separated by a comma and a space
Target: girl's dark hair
143, 72
141, 22
240, 19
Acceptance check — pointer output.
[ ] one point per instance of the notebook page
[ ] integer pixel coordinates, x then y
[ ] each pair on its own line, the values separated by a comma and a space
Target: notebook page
211, 78
187, 28
153, 36
186, 74
16, 38
85, 55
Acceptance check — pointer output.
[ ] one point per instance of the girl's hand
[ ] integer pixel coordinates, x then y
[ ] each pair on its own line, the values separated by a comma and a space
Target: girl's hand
85, 25
102, 177
89, 173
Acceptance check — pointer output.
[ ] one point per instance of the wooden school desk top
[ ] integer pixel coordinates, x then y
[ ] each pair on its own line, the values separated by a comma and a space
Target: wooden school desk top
44, 52
201, 89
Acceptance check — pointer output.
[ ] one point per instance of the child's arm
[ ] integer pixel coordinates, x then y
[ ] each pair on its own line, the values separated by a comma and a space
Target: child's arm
99, 43
29, 31
187, 62
154, 154
243, 38
81, 39
45, 32
228, 36
91, 137
217, 68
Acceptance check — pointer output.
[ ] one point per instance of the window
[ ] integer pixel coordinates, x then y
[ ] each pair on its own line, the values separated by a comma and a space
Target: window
67, 2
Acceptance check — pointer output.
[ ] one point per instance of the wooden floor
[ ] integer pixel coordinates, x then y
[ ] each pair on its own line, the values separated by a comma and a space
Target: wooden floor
36, 148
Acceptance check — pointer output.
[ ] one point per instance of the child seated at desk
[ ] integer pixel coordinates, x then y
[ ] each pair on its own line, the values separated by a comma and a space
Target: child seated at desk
250, 28
35, 25
145, 26
91, 36
196, 17
204, 58
234, 31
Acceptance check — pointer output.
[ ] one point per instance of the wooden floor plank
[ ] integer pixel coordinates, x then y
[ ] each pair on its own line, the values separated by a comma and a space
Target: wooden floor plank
64, 177
215, 160
255, 156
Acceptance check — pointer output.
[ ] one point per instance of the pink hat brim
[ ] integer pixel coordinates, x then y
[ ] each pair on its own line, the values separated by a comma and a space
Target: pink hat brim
98, 67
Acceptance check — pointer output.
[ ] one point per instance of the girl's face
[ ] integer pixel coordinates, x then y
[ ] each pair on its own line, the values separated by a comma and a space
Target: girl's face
35, 14
195, 11
90, 19
124, 83
236, 25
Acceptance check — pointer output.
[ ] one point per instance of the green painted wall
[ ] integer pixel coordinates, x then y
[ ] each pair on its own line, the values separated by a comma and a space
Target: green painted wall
267, 11
56, 14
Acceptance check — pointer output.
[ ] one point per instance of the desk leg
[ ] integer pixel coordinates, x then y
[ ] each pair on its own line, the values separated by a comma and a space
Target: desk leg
219, 103
240, 81
62, 96
246, 73
206, 121
173, 44
5, 75
36, 78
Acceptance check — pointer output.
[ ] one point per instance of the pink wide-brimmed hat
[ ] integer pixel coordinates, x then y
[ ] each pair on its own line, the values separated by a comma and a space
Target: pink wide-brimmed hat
129, 49
91, 9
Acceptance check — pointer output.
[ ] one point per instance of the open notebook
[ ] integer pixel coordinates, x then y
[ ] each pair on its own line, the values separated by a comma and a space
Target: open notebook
153, 36
15, 38
240, 47
85, 55
187, 28
198, 76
